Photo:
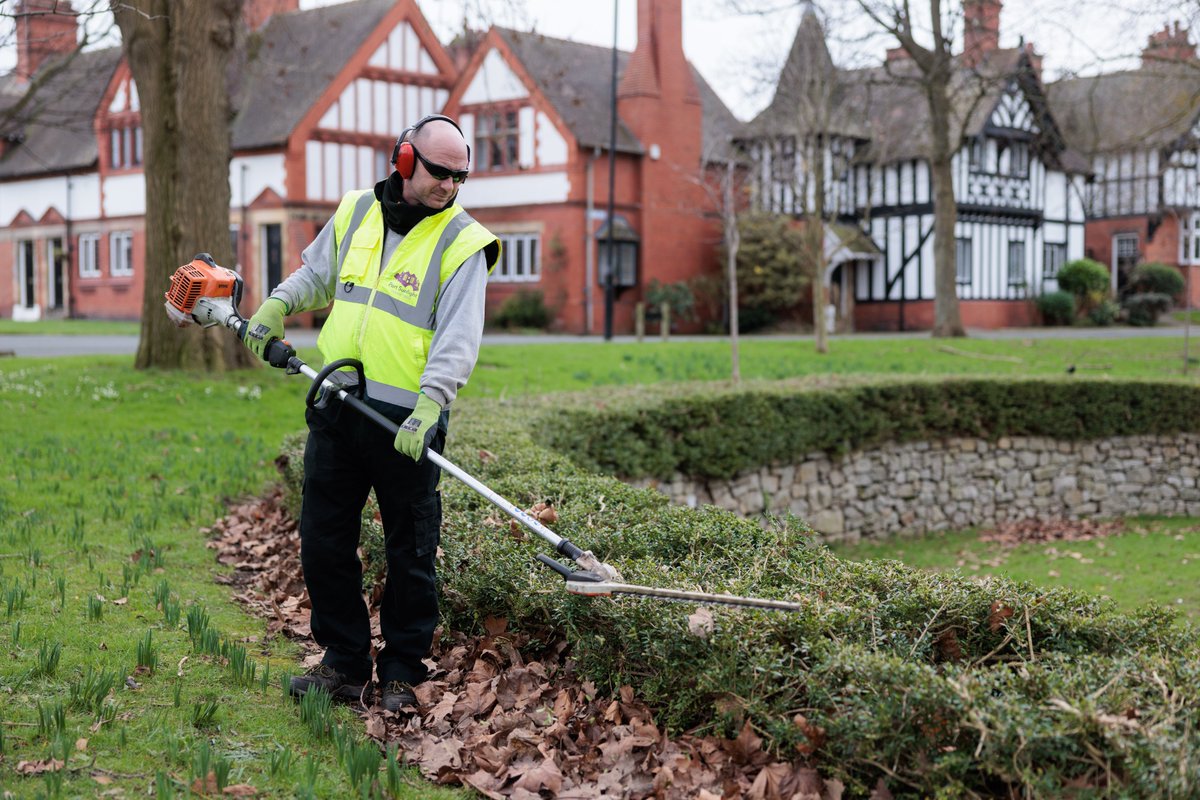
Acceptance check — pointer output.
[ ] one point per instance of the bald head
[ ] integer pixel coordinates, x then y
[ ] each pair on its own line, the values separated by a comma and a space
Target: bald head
440, 141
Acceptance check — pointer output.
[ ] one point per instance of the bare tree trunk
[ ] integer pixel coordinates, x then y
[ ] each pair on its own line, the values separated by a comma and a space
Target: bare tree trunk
815, 236
732, 241
947, 320
178, 51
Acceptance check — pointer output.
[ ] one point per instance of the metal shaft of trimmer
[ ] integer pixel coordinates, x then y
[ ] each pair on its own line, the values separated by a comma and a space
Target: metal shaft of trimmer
584, 558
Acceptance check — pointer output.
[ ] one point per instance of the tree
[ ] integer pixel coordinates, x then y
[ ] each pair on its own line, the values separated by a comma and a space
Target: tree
935, 66
178, 51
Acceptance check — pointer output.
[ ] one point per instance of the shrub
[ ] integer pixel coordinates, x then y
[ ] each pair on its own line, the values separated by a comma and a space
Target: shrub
1056, 308
678, 296
1084, 278
1155, 278
1104, 313
523, 309
1144, 309
770, 268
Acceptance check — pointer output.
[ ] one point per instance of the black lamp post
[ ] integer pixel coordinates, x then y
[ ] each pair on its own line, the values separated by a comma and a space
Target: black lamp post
610, 276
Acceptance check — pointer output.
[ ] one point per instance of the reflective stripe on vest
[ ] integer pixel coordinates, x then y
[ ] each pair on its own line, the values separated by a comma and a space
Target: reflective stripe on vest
386, 317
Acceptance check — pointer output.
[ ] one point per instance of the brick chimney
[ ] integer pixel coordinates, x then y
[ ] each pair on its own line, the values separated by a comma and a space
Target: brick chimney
1172, 43
981, 30
896, 54
44, 28
658, 100
257, 12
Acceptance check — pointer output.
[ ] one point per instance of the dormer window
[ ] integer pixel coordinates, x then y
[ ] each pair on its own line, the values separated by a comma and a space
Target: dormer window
1012, 159
125, 147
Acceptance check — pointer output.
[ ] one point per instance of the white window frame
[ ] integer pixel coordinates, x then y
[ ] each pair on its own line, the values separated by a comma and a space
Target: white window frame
23, 264
519, 264
89, 255
962, 246
1189, 238
1050, 269
1018, 277
120, 254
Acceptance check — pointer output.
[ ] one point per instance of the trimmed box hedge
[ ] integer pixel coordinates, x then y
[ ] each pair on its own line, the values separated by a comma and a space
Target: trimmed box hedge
717, 433
942, 685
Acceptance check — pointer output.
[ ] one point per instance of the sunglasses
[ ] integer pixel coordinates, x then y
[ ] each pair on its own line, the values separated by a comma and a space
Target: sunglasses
440, 173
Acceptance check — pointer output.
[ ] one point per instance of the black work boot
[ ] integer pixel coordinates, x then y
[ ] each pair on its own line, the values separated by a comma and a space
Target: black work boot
397, 695
325, 678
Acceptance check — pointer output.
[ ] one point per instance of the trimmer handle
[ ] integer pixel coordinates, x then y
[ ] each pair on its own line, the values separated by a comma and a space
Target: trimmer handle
277, 352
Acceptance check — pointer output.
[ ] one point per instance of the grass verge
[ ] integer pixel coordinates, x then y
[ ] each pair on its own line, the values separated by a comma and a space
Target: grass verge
70, 327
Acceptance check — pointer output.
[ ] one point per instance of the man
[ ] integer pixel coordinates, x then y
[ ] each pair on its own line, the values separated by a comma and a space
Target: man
406, 269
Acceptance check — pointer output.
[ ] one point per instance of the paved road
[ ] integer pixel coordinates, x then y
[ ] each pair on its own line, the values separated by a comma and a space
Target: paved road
43, 346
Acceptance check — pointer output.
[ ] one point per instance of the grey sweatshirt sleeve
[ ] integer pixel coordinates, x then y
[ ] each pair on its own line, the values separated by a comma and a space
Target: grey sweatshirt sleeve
312, 285
458, 331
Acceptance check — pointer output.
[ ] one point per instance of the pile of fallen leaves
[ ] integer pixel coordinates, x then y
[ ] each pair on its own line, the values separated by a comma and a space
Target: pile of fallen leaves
1022, 531
508, 719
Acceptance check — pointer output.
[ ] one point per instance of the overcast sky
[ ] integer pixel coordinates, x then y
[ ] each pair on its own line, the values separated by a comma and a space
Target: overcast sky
739, 54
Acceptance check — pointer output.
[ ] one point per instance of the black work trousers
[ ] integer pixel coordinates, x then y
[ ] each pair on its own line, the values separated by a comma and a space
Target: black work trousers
346, 456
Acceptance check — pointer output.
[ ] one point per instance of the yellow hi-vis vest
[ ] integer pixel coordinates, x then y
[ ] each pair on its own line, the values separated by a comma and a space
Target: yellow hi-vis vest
385, 317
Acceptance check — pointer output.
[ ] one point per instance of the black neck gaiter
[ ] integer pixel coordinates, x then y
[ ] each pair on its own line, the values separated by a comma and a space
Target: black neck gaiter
398, 215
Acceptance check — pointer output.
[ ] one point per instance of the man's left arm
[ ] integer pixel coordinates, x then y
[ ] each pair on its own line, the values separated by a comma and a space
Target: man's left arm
458, 332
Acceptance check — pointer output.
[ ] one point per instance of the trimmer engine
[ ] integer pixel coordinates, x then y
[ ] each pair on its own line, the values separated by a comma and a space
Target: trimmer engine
205, 294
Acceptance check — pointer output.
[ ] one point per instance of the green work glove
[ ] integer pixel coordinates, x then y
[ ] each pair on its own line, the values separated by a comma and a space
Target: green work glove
417, 431
265, 325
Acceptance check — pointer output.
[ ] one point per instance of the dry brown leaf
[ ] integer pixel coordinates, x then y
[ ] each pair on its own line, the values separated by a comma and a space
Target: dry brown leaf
39, 767
240, 790
768, 782
999, 613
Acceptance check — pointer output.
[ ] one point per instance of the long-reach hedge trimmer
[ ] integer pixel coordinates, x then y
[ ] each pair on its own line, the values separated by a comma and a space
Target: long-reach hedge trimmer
206, 294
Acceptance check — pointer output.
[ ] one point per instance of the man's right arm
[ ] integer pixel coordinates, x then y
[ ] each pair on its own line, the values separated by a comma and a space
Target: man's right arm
312, 285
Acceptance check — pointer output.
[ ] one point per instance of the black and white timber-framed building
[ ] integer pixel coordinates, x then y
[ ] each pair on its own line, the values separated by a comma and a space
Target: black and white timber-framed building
1020, 191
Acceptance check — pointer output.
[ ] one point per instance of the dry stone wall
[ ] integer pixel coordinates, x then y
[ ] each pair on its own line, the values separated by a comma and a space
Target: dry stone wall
960, 483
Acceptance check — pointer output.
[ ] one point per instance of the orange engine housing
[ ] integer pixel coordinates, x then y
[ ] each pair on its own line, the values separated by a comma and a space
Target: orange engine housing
200, 279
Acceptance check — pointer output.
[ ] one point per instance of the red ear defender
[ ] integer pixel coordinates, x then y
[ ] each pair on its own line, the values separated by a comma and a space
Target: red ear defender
404, 159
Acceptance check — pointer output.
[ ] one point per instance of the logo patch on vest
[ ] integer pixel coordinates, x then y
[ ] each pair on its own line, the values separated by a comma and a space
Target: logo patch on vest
405, 286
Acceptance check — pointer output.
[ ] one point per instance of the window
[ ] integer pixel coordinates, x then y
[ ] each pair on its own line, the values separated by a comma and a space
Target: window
962, 261
56, 283
89, 255
975, 154
1016, 263
626, 274
1053, 257
235, 246
25, 267
1012, 158
1125, 257
125, 147
496, 140
120, 254
1189, 239
520, 257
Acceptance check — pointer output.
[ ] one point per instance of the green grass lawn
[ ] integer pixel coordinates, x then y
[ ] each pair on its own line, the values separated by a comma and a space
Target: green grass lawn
70, 327
108, 474
1156, 560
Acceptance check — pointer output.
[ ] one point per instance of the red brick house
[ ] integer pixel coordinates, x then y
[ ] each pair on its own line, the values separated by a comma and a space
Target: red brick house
1141, 130
320, 96
537, 112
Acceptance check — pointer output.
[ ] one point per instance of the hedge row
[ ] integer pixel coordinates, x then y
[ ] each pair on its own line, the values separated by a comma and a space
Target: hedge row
717, 434
941, 685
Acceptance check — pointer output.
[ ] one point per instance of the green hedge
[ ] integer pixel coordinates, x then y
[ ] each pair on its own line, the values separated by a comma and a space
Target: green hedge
719, 433
941, 685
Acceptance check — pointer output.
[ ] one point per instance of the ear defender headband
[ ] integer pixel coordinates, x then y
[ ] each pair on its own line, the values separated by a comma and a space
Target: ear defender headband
404, 155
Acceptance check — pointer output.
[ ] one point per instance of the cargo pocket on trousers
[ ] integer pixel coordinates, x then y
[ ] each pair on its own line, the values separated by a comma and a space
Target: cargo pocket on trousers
427, 524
